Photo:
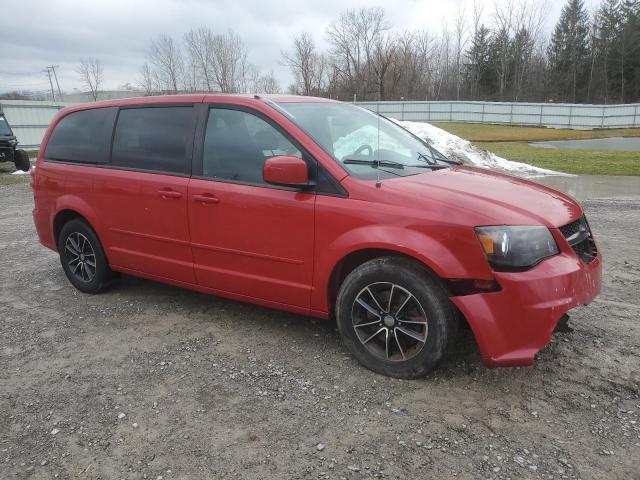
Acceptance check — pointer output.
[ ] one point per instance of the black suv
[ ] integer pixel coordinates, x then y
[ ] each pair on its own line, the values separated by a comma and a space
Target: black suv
8, 144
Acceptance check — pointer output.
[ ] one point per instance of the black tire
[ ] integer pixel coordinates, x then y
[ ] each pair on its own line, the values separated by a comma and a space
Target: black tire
21, 160
77, 235
385, 276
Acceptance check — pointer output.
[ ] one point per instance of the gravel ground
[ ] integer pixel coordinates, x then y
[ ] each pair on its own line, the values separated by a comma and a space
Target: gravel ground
151, 381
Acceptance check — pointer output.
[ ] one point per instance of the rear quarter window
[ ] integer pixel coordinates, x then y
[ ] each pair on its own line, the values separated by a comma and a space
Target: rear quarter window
83, 137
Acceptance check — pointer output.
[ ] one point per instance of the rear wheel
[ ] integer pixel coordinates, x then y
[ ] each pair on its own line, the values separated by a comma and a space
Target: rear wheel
82, 257
21, 160
395, 317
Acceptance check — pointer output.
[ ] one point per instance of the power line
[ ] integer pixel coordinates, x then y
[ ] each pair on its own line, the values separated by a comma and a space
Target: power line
53, 94
53, 69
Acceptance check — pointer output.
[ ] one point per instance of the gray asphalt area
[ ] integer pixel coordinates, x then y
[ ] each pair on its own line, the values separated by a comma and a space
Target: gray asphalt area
153, 381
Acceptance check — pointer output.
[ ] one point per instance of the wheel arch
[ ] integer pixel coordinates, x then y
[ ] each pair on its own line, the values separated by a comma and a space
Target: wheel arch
354, 259
70, 207
61, 218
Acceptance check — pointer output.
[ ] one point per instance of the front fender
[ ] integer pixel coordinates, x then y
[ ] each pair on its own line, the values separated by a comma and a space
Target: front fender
449, 255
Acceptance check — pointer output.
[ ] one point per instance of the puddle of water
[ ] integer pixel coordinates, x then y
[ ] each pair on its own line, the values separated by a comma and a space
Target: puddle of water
588, 187
619, 144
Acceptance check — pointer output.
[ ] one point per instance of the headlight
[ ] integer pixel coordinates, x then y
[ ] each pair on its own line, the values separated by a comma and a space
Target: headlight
517, 247
13, 142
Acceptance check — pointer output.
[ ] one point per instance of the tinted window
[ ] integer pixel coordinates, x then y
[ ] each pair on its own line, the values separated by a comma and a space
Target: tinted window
82, 136
154, 138
237, 144
4, 127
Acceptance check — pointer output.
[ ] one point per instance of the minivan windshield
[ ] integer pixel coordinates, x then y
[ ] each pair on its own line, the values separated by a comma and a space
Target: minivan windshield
368, 145
4, 127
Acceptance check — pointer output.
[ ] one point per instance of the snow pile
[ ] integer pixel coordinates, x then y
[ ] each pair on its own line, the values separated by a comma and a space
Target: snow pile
20, 172
457, 148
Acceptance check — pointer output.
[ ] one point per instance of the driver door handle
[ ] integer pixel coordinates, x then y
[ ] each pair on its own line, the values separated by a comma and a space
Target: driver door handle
207, 198
168, 193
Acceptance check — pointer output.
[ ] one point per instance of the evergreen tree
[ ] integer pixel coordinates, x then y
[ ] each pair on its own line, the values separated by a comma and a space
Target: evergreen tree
609, 22
629, 50
568, 51
500, 56
521, 52
478, 66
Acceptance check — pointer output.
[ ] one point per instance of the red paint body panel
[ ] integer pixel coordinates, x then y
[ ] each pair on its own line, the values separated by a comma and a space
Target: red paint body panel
254, 241
146, 221
512, 325
278, 247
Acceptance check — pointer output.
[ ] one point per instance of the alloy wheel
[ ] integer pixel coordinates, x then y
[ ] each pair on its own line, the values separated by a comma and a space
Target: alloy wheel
81, 257
389, 321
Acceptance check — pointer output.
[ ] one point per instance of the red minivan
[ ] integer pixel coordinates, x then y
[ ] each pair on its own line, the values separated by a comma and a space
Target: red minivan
315, 207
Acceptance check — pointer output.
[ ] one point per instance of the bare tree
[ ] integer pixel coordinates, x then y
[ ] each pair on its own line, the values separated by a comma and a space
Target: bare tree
166, 58
200, 45
146, 80
383, 54
231, 69
305, 64
353, 38
91, 75
267, 84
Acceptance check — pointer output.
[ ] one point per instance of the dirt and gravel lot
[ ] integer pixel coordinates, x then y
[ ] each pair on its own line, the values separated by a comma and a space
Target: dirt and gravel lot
151, 381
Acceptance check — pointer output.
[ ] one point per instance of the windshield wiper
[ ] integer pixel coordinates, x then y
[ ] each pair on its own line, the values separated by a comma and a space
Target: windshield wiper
390, 164
438, 158
441, 157
428, 165
374, 163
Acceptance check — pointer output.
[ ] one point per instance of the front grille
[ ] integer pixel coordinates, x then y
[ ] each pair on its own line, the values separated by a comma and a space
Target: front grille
578, 234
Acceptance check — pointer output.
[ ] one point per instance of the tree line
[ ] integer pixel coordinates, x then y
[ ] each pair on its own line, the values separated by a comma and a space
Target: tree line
499, 55
503, 55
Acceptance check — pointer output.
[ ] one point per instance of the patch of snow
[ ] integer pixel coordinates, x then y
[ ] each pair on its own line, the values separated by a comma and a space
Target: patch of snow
457, 148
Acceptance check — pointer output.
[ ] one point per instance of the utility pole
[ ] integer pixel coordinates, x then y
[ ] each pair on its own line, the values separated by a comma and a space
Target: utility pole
53, 94
55, 76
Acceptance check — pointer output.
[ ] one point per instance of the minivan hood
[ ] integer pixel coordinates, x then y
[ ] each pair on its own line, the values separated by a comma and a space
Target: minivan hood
490, 198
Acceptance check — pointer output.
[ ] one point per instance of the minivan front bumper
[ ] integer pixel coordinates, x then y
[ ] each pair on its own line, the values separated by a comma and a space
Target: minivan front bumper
512, 325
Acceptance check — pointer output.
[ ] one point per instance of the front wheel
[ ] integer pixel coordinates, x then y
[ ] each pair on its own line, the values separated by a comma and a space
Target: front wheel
395, 317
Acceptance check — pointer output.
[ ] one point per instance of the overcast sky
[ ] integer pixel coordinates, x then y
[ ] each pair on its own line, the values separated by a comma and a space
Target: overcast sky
118, 32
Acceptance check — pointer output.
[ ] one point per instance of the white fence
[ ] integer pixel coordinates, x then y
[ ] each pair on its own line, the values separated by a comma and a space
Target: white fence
29, 119
557, 115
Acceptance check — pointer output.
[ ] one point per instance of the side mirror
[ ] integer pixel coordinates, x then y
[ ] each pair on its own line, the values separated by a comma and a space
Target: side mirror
286, 170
